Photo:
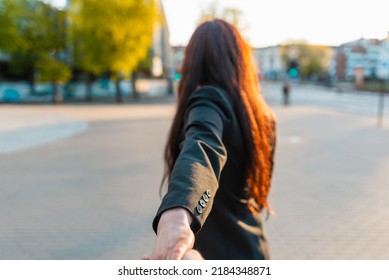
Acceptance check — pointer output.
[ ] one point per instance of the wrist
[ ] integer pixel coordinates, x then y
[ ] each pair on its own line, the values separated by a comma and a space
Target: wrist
176, 215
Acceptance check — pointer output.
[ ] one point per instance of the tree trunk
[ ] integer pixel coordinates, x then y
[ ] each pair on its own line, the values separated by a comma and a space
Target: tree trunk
119, 96
88, 93
32, 81
135, 92
57, 96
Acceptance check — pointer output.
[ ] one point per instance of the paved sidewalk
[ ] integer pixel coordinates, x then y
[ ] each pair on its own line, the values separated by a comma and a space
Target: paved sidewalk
330, 187
93, 196
24, 128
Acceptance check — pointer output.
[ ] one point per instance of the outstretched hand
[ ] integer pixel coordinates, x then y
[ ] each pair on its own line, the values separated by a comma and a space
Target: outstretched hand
193, 255
174, 235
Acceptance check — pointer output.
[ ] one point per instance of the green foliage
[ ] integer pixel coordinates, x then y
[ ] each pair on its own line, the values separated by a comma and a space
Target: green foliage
146, 63
40, 27
111, 35
52, 70
231, 14
36, 34
8, 32
313, 60
106, 36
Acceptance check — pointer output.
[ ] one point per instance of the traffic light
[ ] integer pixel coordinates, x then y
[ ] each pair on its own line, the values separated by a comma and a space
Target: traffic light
177, 76
293, 69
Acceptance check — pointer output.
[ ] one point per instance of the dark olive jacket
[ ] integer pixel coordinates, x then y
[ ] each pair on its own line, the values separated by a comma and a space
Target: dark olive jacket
208, 180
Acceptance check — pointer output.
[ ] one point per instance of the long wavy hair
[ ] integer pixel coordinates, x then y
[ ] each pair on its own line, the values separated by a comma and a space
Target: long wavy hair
218, 55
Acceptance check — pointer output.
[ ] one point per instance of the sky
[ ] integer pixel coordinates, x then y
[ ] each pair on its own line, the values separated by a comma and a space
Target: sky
271, 22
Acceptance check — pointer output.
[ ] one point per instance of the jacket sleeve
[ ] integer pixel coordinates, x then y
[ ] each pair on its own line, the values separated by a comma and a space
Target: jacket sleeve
195, 176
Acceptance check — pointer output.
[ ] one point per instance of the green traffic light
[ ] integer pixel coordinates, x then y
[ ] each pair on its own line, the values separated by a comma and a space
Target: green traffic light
293, 72
177, 77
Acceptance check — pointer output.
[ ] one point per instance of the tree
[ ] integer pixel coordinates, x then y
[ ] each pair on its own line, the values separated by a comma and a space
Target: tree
313, 61
231, 14
36, 30
8, 32
111, 35
54, 71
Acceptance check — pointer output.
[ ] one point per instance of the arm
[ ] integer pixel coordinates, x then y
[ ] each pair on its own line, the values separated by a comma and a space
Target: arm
194, 179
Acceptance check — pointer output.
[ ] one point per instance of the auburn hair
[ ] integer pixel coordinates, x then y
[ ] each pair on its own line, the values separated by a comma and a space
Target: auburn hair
218, 55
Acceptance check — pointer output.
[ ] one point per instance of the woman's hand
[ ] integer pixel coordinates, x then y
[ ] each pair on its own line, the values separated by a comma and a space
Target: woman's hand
174, 235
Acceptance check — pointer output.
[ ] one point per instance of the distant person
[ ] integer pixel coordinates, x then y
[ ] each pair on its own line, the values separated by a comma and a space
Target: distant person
286, 92
219, 154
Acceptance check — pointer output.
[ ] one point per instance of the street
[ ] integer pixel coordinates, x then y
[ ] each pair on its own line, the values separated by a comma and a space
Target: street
355, 102
93, 192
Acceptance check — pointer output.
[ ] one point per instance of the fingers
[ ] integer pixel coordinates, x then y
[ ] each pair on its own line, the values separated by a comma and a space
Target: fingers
192, 255
172, 249
188, 255
176, 254
169, 252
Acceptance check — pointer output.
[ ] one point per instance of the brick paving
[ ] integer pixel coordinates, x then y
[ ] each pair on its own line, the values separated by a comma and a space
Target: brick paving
330, 189
93, 196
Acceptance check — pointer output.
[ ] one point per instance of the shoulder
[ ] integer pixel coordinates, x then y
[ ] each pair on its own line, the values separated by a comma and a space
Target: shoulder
211, 94
213, 98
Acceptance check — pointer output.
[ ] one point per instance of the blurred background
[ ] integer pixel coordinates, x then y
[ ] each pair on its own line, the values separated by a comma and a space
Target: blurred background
87, 94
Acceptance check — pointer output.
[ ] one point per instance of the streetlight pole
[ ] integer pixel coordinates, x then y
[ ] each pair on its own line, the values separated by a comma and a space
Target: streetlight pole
381, 103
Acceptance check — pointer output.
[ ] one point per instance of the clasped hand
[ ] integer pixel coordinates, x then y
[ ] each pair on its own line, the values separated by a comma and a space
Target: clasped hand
174, 235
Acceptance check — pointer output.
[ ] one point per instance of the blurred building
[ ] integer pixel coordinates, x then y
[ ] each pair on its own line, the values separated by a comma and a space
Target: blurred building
161, 50
298, 60
270, 63
366, 57
178, 57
